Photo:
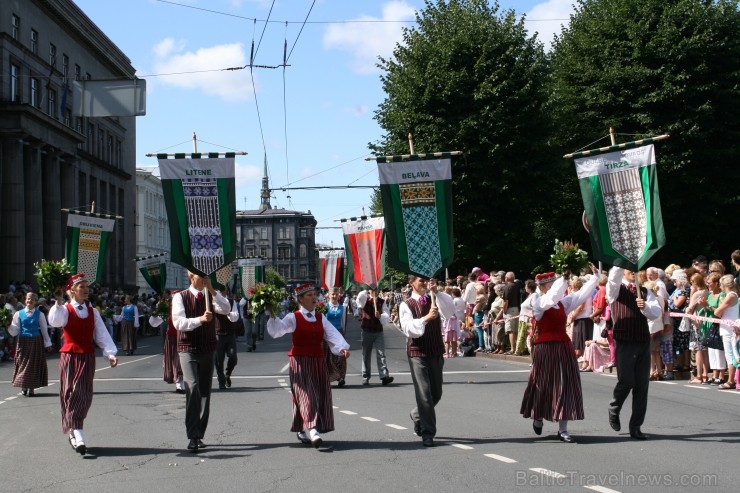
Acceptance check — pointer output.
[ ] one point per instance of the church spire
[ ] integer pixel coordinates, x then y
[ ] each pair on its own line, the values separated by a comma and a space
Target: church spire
265, 193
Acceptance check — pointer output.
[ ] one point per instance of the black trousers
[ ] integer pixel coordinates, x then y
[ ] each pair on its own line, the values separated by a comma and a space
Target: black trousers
633, 374
427, 376
225, 349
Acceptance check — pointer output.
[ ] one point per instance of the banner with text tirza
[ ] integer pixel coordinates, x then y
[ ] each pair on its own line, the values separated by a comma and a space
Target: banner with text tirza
199, 196
332, 268
251, 273
620, 195
87, 242
154, 271
417, 205
364, 241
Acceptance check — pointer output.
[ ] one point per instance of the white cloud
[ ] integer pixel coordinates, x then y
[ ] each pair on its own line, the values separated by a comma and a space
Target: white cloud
247, 174
193, 69
367, 41
548, 18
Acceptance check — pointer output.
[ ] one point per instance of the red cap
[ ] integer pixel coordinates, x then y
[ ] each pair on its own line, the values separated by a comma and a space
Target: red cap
305, 288
545, 277
74, 280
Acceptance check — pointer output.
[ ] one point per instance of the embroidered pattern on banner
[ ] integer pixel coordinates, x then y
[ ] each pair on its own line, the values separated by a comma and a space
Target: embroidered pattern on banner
204, 225
419, 210
625, 212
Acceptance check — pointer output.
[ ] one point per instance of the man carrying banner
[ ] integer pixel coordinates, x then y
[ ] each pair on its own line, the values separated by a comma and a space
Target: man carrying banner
630, 314
196, 343
420, 322
375, 313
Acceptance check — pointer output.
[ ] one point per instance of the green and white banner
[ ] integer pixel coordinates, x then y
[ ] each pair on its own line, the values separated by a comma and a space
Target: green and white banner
87, 243
417, 206
154, 270
199, 195
620, 195
251, 273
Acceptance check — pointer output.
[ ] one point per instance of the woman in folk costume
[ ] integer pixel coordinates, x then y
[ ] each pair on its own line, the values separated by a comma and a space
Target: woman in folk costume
30, 361
336, 315
170, 358
129, 319
554, 388
309, 377
83, 329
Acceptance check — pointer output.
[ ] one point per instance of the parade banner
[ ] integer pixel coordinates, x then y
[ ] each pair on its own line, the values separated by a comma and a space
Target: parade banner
223, 278
154, 270
417, 205
620, 195
332, 268
199, 195
87, 243
365, 246
251, 273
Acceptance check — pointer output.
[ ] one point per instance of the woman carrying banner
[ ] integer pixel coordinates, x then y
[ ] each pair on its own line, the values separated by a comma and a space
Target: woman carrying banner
309, 378
83, 329
29, 324
336, 314
554, 388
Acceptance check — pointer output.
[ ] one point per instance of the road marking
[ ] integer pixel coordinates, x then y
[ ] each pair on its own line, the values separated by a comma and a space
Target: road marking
129, 362
283, 384
500, 458
461, 446
547, 472
285, 368
368, 418
281, 380
351, 413
666, 383
11, 398
700, 387
601, 489
396, 427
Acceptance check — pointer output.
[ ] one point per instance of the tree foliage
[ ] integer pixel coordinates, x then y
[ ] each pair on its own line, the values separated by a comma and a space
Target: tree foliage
649, 67
273, 278
469, 77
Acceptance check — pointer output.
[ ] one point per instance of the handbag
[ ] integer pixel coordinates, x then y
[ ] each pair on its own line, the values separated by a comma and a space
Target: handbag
712, 339
685, 325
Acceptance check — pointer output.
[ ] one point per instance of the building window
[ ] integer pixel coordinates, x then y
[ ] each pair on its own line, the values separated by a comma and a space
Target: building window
250, 234
65, 66
34, 42
14, 89
51, 103
304, 271
52, 55
283, 252
16, 27
263, 252
119, 153
250, 252
110, 149
304, 233
303, 251
78, 72
263, 234
90, 138
101, 143
78, 124
35, 94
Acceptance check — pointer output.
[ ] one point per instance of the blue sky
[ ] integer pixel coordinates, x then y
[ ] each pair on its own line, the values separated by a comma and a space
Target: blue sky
316, 115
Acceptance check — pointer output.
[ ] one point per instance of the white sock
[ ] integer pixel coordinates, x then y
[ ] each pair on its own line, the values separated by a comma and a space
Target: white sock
563, 426
78, 436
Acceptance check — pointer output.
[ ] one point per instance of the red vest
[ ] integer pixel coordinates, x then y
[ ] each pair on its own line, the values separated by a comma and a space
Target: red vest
78, 333
307, 337
551, 327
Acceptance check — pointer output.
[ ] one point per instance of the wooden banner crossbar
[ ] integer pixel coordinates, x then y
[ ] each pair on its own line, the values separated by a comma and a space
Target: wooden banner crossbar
397, 158
616, 147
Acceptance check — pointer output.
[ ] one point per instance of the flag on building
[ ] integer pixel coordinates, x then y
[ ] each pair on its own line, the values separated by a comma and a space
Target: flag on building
332, 268
251, 273
199, 196
154, 270
364, 241
87, 243
620, 195
417, 205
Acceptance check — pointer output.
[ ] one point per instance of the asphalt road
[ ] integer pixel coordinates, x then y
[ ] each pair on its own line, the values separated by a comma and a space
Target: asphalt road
136, 440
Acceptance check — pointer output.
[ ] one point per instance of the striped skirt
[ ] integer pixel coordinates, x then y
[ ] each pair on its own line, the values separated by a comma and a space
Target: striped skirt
554, 388
311, 392
336, 365
128, 335
171, 361
31, 371
76, 374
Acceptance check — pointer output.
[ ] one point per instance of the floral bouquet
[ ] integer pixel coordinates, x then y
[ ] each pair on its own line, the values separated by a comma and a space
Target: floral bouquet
6, 317
108, 313
321, 307
267, 297
51, 274
162, 310
568, 258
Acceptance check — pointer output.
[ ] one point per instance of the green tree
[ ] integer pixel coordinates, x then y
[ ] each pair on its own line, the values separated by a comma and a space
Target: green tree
273, 278
470, 78
649, 67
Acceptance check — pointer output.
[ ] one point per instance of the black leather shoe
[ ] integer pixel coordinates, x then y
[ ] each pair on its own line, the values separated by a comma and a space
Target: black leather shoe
537, 429
193, 445
386, 380
341, 383
365, 381
565, 437
428, 442
637, 434
221, 386
614, 421
201, 444
31, 393
417, 426
228, 380
24, 391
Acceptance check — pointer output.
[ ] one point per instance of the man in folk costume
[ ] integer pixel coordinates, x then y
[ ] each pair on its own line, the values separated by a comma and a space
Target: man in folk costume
374, 312
226, 344
83, 329
29, 325
309, 377
425, 349
630, 315
196, 343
